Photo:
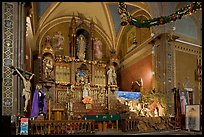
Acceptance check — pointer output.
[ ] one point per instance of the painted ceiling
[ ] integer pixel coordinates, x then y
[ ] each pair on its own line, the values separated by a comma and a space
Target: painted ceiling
106, 14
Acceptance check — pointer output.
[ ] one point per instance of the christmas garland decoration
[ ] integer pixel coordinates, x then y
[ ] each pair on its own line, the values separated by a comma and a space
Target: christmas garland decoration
127, 18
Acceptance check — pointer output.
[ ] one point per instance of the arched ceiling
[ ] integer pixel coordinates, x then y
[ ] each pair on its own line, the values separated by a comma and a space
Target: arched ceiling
105, 14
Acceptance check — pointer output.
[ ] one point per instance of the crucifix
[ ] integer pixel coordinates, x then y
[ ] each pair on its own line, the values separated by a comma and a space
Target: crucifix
26, 83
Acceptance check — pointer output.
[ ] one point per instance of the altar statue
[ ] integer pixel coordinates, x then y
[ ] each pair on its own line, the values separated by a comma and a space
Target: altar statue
48, 67
81, 46
39, 102
86, 89
112, 76
26, 89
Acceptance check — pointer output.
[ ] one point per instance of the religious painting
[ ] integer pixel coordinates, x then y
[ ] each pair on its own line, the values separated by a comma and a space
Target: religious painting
184, 100
98, 49
58, 41
193, 117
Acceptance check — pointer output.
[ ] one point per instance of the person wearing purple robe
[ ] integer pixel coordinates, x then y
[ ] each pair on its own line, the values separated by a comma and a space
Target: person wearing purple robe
39, 103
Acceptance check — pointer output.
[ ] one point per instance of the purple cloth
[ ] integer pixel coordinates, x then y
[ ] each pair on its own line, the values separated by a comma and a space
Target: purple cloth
35, 105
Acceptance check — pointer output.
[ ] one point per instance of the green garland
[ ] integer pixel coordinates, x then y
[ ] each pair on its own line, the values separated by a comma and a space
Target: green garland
127, 18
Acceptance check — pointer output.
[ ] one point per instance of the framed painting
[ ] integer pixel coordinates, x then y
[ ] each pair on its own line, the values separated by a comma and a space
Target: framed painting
193, 117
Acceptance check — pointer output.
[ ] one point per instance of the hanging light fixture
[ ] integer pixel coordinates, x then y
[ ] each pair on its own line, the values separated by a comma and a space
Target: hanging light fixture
123, 13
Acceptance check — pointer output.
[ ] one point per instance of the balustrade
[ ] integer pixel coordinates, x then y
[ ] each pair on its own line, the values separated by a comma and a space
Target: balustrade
62, 127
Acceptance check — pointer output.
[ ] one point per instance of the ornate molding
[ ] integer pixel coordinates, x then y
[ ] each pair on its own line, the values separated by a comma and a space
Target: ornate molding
7, 51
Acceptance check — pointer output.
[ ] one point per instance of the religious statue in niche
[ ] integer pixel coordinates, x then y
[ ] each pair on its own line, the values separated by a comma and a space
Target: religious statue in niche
98, 49
80, 76
58, 41
86, 88
48, 67
112, 76
81, 46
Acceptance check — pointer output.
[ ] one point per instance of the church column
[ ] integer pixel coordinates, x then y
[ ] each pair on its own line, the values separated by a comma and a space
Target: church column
163, 65
155, 43
7, 56
20, 58
170, 74
13, 27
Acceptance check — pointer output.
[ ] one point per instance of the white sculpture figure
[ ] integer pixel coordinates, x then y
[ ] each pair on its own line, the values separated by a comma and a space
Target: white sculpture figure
26, 89
81, 45
60, 40
112, 76
98, 49
86, 89
48, 67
